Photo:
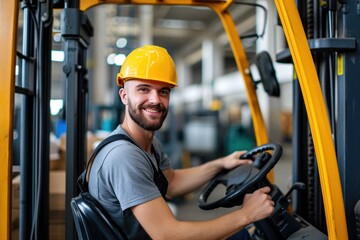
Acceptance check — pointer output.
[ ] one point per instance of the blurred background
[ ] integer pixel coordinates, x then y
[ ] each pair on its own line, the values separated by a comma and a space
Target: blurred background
209, 114
210, 98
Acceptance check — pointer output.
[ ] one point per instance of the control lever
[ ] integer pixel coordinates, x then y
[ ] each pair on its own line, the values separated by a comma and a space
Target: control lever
297, 186
283, 221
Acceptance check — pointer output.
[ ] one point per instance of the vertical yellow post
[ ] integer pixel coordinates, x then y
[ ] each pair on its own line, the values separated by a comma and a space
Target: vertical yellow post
243, 66
318, 119
8, 32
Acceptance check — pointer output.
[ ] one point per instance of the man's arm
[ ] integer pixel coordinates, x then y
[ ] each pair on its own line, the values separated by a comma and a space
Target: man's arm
159, 222
183, 181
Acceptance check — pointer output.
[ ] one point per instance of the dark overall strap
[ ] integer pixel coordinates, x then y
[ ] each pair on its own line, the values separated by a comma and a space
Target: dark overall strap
84, 177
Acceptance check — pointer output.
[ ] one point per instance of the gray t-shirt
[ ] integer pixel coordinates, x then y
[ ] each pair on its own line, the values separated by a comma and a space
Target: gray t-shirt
122, 177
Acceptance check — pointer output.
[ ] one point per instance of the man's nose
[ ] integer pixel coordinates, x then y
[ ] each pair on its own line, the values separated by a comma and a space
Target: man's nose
154, 97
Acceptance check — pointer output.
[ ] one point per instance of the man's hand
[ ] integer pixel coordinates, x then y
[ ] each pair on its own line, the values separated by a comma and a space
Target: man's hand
233, 160
258, 205
186, 180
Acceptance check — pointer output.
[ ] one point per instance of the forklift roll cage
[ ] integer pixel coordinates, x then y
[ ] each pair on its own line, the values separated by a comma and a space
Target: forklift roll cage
304, 67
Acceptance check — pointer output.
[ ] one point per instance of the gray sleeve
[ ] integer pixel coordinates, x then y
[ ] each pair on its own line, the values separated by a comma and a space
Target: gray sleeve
128, 172
165, 161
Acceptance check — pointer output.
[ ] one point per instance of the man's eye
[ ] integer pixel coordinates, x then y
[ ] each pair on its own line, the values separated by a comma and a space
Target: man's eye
143, 90
165, 92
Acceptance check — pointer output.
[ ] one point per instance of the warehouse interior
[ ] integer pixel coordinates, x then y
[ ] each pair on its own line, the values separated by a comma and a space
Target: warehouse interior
210, 87
211, 111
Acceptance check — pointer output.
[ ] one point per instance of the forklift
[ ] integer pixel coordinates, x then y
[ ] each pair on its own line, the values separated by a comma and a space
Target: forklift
321, 38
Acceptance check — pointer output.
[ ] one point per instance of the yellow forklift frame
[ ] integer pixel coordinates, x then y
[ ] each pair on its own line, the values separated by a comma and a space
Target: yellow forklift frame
303, 63
318, 119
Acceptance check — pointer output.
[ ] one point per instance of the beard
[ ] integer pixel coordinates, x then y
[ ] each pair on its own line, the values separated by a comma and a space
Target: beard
136, 115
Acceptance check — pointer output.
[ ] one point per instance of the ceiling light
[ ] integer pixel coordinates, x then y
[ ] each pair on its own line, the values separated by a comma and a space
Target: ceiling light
119, 59
121, 42
111, 59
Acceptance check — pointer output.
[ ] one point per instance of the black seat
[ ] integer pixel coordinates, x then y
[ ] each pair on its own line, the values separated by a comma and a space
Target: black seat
92, 221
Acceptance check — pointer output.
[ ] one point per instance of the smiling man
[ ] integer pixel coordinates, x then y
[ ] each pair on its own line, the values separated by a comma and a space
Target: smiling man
149, 106
131, 180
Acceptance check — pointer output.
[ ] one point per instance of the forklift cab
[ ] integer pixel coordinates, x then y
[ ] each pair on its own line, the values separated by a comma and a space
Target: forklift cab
328, 144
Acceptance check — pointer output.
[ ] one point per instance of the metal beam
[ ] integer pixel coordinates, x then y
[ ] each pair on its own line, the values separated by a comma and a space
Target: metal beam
76, 31
8, 35
224, 5
348, 128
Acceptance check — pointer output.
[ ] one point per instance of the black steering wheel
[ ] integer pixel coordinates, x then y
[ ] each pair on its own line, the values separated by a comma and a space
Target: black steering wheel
243, 179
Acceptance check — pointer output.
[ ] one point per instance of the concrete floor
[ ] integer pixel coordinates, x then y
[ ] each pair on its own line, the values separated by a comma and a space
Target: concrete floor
187, 209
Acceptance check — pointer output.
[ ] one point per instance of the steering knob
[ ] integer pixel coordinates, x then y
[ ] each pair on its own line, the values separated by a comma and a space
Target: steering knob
261, 160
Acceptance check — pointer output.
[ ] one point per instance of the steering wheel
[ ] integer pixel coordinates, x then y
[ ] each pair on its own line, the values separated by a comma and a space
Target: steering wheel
242, 179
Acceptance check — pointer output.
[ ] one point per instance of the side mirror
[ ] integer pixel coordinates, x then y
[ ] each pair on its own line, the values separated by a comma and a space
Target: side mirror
262, 65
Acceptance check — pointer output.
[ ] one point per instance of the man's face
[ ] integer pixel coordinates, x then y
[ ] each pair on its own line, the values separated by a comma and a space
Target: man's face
147, 103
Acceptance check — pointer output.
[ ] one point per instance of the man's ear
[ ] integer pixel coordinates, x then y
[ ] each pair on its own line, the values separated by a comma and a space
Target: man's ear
123, 95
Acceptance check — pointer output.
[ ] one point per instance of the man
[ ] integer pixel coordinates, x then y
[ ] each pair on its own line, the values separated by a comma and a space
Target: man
131, 180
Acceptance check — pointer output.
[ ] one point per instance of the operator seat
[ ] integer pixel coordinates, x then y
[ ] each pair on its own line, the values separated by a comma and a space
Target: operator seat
92, 221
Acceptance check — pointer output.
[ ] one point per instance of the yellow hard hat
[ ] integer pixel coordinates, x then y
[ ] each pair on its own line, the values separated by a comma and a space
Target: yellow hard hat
148, 63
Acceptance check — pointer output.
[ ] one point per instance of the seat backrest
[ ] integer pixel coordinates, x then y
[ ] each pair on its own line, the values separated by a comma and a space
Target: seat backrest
92, 221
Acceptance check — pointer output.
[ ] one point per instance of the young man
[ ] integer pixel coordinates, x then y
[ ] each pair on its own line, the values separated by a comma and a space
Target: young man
131, 180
